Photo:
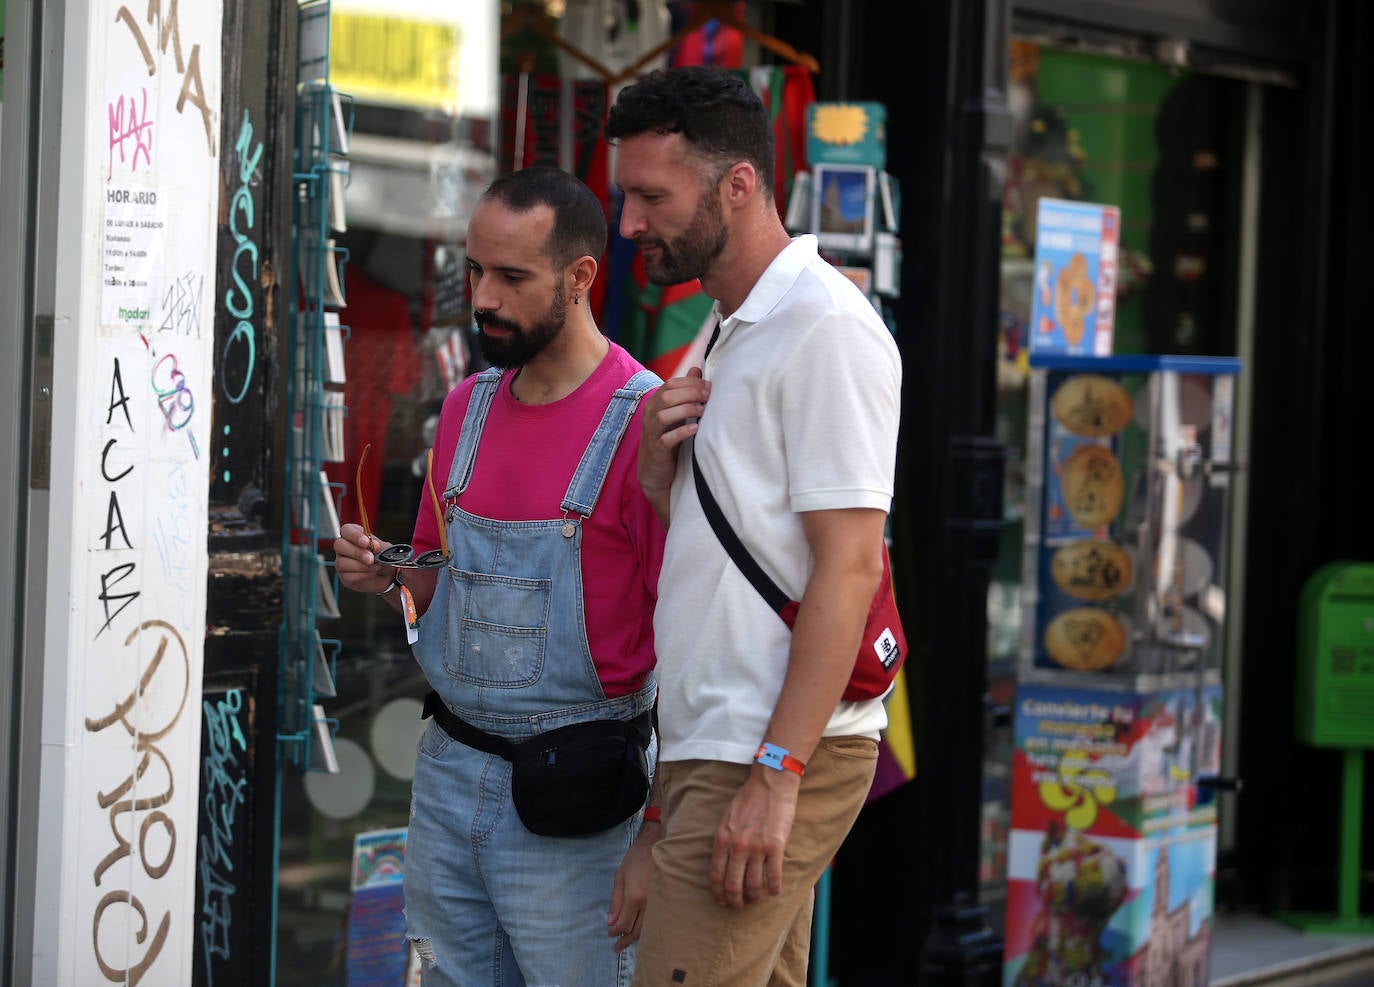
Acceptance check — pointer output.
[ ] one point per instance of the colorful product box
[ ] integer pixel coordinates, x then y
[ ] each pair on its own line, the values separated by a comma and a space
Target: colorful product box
1111, 854
1115, 764
1088, 911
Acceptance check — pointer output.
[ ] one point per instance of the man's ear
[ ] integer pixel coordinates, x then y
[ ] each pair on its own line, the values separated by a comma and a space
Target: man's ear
741, 181
581, 273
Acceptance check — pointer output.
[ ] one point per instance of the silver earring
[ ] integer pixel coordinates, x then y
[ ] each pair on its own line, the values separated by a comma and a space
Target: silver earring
577, 299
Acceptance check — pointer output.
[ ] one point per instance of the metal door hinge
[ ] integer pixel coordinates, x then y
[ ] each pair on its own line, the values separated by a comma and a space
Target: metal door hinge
40, 419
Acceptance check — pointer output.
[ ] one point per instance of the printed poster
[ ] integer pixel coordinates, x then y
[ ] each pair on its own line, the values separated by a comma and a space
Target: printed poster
1074, 299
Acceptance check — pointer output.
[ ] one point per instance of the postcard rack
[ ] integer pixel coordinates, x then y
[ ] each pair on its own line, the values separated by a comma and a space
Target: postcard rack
315, 408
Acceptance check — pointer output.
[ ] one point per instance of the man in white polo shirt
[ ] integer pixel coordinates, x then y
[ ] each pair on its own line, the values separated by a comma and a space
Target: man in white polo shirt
762, 767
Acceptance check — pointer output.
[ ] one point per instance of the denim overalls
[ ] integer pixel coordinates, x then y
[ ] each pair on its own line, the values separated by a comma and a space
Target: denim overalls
504, 644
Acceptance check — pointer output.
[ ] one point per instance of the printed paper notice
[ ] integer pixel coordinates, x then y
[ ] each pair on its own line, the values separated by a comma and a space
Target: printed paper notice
132, 264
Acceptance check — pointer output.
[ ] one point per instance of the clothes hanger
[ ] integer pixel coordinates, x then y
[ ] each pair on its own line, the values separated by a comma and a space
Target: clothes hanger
531, 17
723, 11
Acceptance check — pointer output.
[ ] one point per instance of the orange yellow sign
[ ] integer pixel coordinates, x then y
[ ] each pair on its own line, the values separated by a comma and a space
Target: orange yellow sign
394, 61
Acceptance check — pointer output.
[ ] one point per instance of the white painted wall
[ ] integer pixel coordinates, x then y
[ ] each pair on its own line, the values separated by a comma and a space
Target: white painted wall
126, 546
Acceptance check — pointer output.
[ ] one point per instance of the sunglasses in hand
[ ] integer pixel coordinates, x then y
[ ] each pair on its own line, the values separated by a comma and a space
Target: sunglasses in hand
405, 556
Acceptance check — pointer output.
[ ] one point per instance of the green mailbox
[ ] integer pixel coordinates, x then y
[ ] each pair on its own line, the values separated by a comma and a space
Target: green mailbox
1335, 688
1335, 696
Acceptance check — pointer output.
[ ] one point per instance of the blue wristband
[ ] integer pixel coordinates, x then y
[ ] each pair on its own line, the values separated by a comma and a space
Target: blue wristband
778, 758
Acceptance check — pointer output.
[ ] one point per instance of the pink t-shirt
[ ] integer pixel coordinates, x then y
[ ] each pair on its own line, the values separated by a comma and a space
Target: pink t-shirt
525, 462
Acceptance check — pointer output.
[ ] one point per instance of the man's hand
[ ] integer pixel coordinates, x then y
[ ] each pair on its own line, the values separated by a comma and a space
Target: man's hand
752, 837
631, 890
670, 416
355, 560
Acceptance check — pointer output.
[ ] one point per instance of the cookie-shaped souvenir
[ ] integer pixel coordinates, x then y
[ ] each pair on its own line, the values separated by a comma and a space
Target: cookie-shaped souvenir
1074, 298
1092, 405
1091, 570
1085, 639
1092, 485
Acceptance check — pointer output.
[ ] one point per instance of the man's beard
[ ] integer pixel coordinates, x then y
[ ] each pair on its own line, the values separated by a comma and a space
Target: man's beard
524, 343
692, 254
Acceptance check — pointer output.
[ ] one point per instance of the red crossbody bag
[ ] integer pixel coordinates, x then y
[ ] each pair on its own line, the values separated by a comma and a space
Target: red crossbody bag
883, 647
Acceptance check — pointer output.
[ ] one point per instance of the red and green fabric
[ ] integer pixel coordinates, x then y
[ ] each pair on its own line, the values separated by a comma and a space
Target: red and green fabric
661, 321
786, 91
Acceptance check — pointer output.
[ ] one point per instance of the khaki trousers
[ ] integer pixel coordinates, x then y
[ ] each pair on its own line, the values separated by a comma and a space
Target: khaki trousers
689, 939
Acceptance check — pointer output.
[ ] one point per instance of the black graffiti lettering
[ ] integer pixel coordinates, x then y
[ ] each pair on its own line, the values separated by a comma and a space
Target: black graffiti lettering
104, 455
117, 385
119, 574
181, 305
114, 521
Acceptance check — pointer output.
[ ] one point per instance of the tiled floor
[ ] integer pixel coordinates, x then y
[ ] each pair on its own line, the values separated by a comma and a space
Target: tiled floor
1252, 950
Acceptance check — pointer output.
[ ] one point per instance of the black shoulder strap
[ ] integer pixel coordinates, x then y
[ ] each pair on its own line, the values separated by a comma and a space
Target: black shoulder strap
768, 589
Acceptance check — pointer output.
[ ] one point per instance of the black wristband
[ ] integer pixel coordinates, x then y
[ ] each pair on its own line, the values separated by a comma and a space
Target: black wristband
394, 584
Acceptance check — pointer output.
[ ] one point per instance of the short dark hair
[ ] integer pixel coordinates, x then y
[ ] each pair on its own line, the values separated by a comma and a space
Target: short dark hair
714, 109
579, 221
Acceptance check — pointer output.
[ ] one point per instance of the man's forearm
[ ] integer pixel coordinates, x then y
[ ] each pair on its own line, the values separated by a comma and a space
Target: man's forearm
826, 637
846, 548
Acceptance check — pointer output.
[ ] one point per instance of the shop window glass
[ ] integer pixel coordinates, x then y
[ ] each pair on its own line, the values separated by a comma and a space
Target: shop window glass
423, 83
444, 99
1154, 142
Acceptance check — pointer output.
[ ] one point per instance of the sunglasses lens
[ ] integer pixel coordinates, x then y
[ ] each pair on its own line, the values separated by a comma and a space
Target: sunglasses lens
431, 560
395, 555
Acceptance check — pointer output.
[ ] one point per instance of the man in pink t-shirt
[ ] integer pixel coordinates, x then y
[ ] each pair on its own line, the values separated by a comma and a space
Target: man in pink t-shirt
537, 612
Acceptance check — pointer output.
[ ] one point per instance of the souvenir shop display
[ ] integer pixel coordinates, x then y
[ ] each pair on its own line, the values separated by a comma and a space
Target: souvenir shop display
1118, 705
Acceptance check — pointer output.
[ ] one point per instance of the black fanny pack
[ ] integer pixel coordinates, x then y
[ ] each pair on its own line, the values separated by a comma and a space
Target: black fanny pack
575, 780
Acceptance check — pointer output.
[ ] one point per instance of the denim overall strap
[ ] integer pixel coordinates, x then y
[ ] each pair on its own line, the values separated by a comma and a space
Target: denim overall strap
465, 455
590, 474
504, 641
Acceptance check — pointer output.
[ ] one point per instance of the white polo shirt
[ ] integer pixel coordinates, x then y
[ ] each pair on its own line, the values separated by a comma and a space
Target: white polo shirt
803, 416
